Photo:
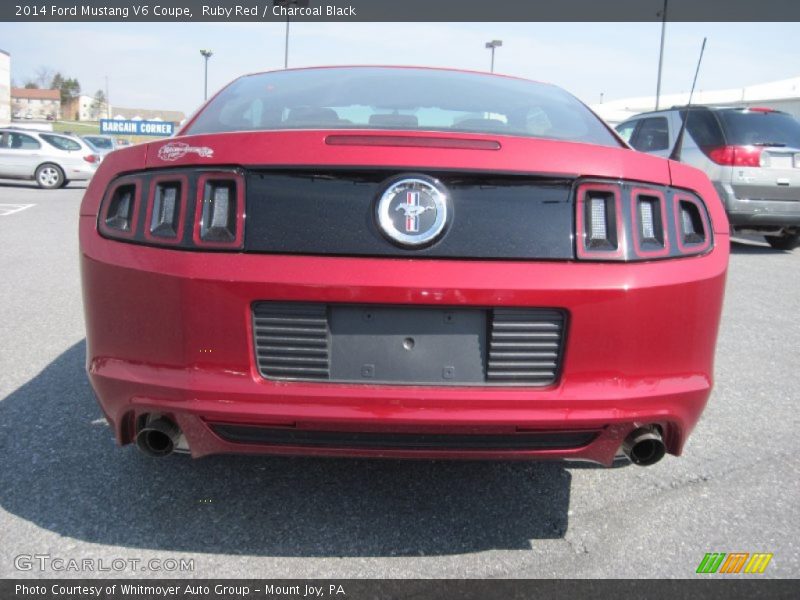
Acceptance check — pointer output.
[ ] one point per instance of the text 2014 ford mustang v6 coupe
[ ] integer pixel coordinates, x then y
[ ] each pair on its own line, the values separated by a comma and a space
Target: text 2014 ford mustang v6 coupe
401, 262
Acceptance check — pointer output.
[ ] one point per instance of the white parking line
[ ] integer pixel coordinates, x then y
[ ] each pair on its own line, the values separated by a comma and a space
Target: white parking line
10, 209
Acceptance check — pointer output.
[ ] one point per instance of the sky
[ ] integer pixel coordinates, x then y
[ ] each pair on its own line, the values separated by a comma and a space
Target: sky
158, 65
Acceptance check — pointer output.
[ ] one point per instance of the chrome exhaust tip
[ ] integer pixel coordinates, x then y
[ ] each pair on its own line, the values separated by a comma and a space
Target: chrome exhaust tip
158, 437
644, 446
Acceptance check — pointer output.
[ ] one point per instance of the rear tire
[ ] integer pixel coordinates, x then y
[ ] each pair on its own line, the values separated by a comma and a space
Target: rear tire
787, 241
49, 176
65, 183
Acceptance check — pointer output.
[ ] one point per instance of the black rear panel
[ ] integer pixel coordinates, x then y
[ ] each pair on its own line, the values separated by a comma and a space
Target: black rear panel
408, 345
332, 212
535, 440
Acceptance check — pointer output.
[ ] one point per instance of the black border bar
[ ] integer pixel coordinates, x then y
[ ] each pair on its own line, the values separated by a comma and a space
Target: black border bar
709, 587
400, 10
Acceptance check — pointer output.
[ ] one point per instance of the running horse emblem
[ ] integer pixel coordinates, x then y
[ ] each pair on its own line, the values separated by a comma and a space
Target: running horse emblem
412, 210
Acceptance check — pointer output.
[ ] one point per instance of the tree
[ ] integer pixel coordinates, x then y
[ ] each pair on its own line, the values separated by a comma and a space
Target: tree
31, 85
99, 104
43, 77
69, 87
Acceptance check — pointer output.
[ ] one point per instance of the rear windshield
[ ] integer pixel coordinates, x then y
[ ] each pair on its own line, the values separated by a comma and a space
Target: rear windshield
100, 142
61, 143
407, 99
746, 127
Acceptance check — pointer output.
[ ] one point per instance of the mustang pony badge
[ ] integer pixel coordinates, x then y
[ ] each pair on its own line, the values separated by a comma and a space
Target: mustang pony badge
412, 212
176, 150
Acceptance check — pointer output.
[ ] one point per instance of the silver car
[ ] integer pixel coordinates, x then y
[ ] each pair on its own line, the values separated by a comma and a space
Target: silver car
751, 155
50, 159
101, 144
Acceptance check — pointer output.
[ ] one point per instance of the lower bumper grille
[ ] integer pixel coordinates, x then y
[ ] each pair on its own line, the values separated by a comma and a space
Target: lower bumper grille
408, 345
544, 440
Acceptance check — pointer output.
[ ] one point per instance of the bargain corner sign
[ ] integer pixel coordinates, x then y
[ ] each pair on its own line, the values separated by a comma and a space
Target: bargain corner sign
136, 127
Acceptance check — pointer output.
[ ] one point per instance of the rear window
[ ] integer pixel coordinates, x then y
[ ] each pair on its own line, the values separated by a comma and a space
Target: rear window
100, 142
704, 128
749, 127
408, 99
59, 142
652, 135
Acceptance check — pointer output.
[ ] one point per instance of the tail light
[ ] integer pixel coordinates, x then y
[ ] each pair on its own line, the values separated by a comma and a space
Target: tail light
735, 156
161, 202
166, 209
220, 204
692, 225
599, 222
120, 208
626, 222
649, 212
91, 158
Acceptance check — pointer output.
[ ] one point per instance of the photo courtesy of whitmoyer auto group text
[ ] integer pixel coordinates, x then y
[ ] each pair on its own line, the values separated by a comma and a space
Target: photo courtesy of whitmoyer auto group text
399, 300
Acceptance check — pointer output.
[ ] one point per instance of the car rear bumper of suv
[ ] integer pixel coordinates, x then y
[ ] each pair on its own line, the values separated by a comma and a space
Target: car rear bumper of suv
171, 333
764, 213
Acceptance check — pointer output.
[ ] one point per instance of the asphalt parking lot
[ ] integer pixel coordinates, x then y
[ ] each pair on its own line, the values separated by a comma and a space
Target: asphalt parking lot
68, 491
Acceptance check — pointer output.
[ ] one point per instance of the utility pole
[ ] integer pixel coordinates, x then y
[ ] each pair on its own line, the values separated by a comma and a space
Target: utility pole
492, 45
108, 101
206, 54
288, 5
661, 53
286, 46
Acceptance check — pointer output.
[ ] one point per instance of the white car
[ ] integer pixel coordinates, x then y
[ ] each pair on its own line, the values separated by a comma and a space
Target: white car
50, 159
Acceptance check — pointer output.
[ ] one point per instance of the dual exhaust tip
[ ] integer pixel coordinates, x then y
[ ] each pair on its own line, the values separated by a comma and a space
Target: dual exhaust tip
158, 437
644, 446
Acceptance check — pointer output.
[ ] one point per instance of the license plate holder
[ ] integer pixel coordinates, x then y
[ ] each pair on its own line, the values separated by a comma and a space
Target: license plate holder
401, 345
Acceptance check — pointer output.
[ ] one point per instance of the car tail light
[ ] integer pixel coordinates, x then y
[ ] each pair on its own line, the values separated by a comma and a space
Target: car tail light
118, 214
649, 212
220, 207
91, 158
166, 209
735, 156
214, 221
694, 232
622, 221
599, 222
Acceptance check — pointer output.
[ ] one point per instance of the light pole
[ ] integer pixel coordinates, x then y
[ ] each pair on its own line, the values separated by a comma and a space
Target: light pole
206, 54
492, 45
288, 5
661, 53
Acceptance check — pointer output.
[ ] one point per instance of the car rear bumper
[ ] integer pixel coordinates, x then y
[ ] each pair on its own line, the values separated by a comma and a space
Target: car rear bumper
170, 332
79, 173
743, 212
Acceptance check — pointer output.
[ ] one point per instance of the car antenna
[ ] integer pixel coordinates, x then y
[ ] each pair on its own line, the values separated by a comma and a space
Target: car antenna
676, 151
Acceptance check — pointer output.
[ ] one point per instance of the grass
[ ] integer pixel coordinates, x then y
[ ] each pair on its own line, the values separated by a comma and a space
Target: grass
81, 128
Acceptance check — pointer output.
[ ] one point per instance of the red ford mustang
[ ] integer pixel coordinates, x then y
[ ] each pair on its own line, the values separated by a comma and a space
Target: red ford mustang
401, 262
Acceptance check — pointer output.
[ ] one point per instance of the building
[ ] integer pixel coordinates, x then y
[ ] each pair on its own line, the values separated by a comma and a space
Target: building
84, 108
5, 88
780, 95
146, 114
35, 104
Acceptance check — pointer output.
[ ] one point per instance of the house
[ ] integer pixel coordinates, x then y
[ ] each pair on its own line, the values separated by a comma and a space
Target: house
35, 103
84, 108
148, 114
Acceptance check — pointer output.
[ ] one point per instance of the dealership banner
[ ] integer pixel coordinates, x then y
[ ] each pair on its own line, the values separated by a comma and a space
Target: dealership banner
393, 589
136, 127
399, 10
